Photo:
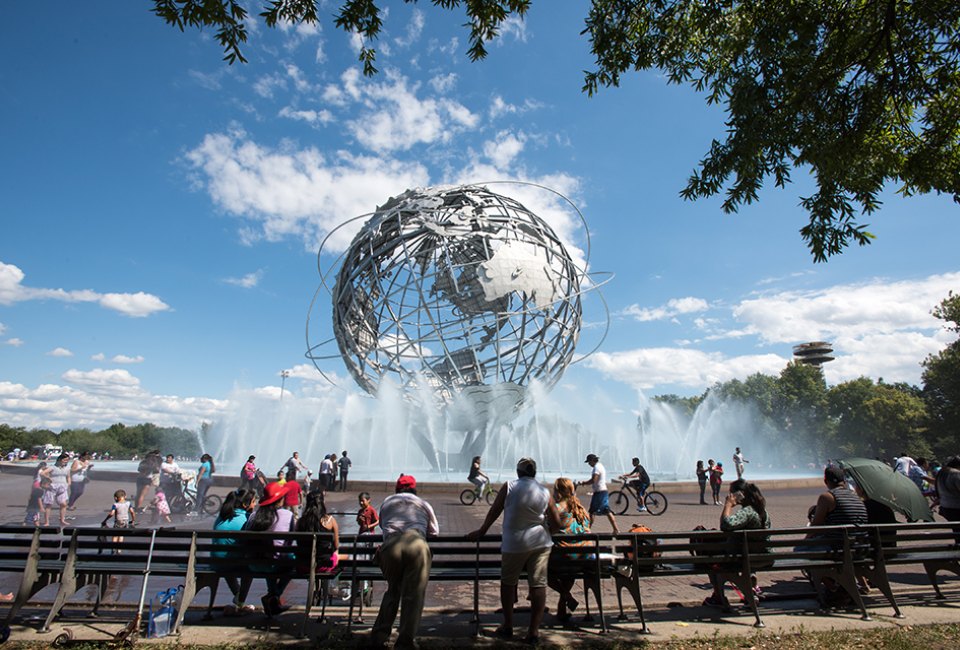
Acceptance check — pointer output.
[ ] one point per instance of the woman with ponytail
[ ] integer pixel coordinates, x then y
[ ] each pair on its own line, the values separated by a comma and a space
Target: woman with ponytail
574, 520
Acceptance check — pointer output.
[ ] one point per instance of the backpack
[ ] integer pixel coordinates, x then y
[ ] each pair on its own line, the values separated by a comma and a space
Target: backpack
646, 547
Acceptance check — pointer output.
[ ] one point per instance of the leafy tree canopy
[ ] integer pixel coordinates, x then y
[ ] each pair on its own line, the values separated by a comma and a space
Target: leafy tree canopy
860, 93
941, 379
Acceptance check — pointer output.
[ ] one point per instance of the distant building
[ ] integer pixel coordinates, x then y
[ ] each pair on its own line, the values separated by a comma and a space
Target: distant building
815, 353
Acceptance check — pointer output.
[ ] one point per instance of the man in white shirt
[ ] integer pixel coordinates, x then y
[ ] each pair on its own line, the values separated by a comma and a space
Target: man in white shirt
405, 560
170, 479
600, 502
294, 466
904, 464
738, 461
326, 473
528, 511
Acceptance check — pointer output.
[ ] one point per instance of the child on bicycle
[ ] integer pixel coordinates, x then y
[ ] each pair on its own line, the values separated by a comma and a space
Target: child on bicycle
639, 480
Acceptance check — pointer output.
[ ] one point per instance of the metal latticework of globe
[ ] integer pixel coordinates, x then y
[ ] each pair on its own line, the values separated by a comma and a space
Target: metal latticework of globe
457, 291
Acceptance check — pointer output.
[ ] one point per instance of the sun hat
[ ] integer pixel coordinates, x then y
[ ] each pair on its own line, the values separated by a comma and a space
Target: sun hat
272, 492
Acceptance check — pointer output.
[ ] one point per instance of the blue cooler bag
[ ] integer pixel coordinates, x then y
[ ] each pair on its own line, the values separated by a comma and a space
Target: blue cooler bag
163, 612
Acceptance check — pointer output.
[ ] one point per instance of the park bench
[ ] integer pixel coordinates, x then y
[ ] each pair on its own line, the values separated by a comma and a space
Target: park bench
38, 554
846, 554
93, 558
245, 559
935, 546
457, 559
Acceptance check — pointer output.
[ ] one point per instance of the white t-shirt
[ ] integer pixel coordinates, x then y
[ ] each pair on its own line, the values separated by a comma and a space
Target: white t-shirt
405, 511
738, 458
904, 463
523, 516
169, 471
326, 466
599, 478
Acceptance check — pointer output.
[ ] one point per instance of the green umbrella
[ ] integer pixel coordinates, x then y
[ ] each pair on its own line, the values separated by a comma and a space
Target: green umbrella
891, 488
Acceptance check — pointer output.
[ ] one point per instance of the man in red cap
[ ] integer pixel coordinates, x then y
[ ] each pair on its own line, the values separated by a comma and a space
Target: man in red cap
405, 560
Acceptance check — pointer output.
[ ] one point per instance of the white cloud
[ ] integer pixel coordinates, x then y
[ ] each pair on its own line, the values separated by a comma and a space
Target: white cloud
443, 83
513, 27
311, 117
248, 281
394, 118
674, 307
3, 328
99, 356
504, 148
99, 400
649, 367
878, 329
266, 85
15, 342
303, 193
122, 358
499, 107
413, 31
12, 290
851, 311
60, 352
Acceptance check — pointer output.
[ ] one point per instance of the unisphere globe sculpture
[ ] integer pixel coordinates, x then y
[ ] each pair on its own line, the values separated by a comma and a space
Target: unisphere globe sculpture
459, 293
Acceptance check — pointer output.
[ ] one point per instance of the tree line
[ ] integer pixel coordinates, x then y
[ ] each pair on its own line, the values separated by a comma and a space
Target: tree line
798, 414
119, 440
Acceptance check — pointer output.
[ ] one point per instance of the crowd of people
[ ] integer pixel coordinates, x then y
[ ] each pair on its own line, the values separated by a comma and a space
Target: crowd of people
534, 519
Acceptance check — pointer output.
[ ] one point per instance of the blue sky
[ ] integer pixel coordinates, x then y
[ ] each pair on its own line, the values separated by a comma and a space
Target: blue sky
161, 211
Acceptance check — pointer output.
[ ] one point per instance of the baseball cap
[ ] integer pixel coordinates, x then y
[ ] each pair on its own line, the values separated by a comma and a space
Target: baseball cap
591, 458
406, 482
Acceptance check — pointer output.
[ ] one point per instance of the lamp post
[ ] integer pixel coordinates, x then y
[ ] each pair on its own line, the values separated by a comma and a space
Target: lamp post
283, 381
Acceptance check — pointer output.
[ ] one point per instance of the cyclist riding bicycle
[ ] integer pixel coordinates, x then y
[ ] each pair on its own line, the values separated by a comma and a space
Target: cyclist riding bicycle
477, 477
640, 481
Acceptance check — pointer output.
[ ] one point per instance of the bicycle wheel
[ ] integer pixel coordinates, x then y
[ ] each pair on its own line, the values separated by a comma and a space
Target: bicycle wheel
655, 502
211, 504
468, 496
491, 497
619, 502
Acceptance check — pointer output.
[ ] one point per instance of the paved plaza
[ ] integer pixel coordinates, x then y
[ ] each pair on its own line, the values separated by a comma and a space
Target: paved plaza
674, 603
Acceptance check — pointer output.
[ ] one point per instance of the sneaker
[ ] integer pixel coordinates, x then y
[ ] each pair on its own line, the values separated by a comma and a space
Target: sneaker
711, 601
641, 509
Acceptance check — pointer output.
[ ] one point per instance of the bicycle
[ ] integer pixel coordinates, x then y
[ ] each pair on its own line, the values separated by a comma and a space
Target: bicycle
654, 501
186, 501
469, 496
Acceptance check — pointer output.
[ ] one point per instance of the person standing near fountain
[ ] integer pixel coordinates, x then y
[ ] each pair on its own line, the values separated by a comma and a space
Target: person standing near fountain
405, 559
738, 461
344, 464
600, 502
716, 480
294, 466
326, 473
528, 509
702, 480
